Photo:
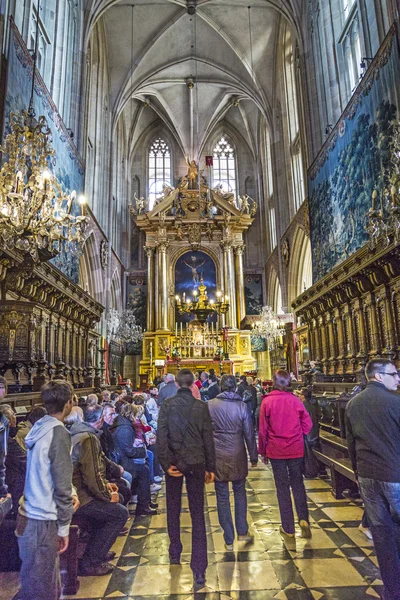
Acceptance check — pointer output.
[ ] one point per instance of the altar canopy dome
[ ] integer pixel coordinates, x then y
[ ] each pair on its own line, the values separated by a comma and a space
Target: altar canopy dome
230, 50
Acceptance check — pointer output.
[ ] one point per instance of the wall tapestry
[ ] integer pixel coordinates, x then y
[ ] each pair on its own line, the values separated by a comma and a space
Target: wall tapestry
189, 269
67, 165
136, 300
355, 160
253, 294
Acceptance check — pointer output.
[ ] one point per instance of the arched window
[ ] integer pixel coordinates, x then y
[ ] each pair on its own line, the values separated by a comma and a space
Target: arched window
159, 169
224, 162
292, 108
269, 191
69, 47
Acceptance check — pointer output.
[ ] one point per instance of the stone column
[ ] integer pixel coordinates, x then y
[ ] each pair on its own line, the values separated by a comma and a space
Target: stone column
150, 287
232, 289
240, 299
162, 286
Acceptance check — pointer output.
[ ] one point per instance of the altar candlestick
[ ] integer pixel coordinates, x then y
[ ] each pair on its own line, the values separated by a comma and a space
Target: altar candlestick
176, 329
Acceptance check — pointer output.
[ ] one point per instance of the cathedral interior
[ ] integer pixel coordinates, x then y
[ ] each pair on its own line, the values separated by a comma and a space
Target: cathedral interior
205, 184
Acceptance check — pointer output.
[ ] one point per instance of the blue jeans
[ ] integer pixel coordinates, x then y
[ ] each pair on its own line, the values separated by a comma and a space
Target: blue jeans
150, 462
128, 477
224, 508
288, 473
382, 505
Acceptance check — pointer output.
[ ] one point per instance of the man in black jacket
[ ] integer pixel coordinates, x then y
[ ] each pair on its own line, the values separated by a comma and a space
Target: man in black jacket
373, 436
185, 445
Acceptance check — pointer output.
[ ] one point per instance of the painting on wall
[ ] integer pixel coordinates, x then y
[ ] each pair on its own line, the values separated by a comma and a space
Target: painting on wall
189, 269
357, 160
253, 294
67, 164
136, 300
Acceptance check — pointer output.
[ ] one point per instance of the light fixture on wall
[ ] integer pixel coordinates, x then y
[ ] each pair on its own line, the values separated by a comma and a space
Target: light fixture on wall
268, 327
35, 214
201, 305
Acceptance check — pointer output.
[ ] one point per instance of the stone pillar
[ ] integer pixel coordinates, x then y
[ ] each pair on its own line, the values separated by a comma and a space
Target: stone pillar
240, 299
150, 287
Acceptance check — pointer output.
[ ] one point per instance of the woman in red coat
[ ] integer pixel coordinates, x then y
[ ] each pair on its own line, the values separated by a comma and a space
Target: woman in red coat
283, 423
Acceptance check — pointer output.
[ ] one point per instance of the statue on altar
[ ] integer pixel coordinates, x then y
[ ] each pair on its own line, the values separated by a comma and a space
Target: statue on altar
192, 174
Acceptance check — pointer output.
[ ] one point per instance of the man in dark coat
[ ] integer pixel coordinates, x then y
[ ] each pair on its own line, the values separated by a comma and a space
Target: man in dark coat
168, 390
186, 449
373, 437
233, 432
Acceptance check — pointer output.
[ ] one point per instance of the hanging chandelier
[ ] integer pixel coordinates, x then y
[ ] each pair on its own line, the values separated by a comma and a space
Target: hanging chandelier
201, 305
268, 327
123, 327
35, 214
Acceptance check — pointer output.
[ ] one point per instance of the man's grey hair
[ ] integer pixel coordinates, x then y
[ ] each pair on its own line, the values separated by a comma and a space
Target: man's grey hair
169, 377
92, 414
75, 416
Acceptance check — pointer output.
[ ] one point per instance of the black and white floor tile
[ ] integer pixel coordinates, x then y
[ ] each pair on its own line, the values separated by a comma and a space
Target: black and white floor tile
338, 563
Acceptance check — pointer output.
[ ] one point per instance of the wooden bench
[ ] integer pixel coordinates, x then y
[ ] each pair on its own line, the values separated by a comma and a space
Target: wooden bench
342, 474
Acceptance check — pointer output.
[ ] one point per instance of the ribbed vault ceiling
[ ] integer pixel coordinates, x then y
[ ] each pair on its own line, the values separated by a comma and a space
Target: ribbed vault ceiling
154, 48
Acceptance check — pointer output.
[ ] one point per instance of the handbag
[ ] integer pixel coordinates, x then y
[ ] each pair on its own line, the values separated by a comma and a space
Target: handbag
311, 464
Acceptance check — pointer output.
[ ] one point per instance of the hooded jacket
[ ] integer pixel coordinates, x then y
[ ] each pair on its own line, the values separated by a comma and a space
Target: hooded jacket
283, 422
233, 428
89, 462
48, 484
3, 452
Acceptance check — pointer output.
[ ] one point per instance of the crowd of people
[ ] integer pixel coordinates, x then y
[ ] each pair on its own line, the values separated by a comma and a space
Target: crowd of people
88, 460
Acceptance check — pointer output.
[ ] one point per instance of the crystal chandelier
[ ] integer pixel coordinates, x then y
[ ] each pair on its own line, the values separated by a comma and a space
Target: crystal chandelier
268, 326
35, 214
201, 304
123, 326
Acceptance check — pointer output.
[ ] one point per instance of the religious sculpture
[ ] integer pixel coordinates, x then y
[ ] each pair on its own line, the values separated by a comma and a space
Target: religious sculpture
193, 173
140, 204
193, 266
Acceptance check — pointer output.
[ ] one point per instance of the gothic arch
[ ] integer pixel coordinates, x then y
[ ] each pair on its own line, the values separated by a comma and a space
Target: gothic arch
300, 266
90, 271
116, 301
274, 292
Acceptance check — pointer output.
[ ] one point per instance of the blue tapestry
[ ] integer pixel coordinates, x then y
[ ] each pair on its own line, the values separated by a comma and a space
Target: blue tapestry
355, 161
253, 294
189, 269
66, 165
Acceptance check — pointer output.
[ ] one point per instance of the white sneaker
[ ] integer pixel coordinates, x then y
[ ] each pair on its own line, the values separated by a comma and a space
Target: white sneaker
157, 479
154, 487
366, 531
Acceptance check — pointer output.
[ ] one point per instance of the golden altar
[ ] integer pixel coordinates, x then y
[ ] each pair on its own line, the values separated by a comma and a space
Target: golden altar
189, 218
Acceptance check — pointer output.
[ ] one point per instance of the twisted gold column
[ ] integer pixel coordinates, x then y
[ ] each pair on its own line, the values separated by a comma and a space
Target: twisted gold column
150, 287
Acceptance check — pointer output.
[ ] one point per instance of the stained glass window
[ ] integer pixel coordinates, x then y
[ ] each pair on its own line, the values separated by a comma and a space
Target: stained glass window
159, 169
225, 166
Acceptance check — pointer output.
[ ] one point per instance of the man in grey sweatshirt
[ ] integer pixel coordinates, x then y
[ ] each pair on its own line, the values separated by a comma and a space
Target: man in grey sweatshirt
46, 508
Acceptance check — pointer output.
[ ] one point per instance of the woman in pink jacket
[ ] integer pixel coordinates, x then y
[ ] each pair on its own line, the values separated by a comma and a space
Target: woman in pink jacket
283, 423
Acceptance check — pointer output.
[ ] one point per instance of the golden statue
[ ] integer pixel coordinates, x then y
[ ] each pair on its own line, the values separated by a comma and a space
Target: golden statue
193, 173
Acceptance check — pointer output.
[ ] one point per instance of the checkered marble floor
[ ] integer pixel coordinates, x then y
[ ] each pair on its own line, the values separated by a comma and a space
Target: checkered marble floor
338, 563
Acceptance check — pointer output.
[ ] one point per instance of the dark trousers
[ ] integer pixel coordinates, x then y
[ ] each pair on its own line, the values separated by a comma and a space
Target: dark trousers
382, 505
141, 486
288, 473
224, 508
106, 519
195, 492
40, 570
